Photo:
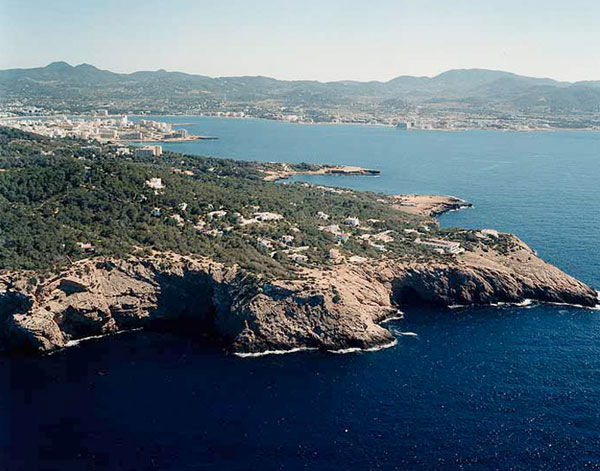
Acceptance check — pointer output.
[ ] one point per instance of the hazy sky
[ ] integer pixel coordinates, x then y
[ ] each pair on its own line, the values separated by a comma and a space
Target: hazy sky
323, 40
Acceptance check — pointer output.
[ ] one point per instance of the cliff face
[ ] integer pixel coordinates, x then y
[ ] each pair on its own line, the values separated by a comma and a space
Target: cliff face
103, 296
491, 277
332, 308
428, 205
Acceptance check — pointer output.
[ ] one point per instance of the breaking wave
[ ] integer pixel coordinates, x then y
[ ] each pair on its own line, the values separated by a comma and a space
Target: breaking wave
274, 352
75, 342
393, 343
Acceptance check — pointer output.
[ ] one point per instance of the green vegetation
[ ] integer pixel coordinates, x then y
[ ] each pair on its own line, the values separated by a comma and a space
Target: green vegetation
480, 93
63, 200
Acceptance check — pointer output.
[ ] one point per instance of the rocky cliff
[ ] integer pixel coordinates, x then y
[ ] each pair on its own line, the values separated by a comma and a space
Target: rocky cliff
336, 307
490, 277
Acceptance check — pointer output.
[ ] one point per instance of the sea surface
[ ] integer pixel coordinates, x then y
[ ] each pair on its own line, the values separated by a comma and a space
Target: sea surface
475, 389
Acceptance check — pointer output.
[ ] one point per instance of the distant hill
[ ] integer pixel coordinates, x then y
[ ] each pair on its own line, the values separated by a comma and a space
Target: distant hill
465, 87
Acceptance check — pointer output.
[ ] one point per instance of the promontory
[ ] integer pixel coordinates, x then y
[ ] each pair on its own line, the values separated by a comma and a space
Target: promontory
96, 240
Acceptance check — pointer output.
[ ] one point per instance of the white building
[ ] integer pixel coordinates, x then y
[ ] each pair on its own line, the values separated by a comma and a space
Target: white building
266, 216
267, 244
217, 214
298, 258
334, 228
490, 232
443, 246
155, 183
149, 151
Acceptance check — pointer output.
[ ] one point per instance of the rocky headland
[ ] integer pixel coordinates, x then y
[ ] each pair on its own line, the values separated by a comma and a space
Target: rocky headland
428, 205
334, 308
95, 244
285, 171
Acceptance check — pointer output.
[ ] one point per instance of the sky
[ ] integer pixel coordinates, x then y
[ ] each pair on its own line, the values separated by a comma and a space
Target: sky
319, 40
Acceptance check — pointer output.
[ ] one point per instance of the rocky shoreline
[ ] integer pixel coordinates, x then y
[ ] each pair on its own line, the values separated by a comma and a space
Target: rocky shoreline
428, 205
269, 268
334, 308
286, 171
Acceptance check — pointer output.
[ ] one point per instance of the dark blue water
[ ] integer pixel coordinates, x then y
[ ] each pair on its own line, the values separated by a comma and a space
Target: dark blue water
478, 389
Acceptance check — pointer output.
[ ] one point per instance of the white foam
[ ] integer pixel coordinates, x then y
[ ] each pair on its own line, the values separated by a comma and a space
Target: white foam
591, 308
458, 209
393, 343
525, 302
274, 352
393, 318
578, 306
408, 334
73, 343
530, 303
390, 319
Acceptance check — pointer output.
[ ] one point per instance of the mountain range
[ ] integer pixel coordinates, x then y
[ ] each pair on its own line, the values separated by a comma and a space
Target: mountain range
472, 88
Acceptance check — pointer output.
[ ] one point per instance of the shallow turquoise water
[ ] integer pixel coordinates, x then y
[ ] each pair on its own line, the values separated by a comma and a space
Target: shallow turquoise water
478, 389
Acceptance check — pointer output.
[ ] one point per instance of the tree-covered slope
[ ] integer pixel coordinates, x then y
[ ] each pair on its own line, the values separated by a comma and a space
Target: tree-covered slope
84, 86
57, 196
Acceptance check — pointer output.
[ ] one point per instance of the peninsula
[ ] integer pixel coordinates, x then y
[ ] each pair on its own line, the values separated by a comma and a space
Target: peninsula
95, 243
285, 171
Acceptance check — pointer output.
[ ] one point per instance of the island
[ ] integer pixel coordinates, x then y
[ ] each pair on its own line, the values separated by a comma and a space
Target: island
95, 243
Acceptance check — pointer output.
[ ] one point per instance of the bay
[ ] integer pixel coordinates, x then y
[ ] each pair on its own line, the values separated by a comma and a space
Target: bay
477, 389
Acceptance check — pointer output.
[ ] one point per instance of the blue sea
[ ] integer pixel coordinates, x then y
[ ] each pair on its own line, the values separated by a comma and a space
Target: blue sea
476, 389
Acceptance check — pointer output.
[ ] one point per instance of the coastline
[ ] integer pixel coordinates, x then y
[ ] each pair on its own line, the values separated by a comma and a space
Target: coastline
287, 172
429, 205
343, 123
167, 141
333, 301
462, 129
526, 303
374, 338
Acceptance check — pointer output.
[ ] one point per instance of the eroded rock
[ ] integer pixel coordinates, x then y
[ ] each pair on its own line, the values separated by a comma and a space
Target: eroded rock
335, 307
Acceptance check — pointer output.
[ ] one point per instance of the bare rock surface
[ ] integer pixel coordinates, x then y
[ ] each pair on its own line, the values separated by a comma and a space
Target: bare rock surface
285, 171
428, 205
490, 277
334, 307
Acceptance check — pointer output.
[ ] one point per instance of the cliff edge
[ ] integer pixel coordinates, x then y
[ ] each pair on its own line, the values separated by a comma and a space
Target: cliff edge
337, 307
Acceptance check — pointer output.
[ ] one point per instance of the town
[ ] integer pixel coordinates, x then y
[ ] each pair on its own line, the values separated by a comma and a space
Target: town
109, 124
102, 129
418, 118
